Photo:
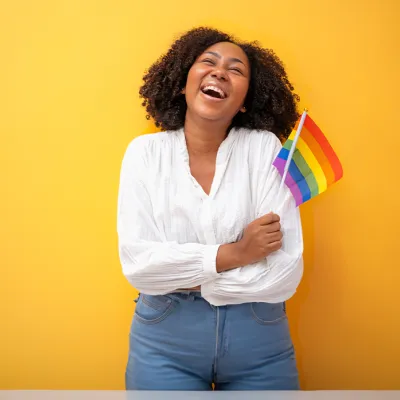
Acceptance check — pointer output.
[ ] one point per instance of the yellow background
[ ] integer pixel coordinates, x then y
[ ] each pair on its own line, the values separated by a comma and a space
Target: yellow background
69, 75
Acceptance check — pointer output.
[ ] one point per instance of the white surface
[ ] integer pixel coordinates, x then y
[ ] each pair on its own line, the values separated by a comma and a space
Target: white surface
122, 395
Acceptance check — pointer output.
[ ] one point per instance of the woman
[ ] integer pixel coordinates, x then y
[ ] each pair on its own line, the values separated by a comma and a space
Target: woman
202, 236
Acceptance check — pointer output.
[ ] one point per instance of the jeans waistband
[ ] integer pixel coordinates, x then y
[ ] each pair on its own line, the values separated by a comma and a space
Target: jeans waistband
187, 291
187, 294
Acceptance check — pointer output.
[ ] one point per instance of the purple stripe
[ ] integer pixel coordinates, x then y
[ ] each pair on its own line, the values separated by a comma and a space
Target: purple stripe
279, 163
294, 189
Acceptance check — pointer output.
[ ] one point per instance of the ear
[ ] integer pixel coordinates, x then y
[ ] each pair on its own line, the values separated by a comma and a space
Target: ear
243, 109
183, 90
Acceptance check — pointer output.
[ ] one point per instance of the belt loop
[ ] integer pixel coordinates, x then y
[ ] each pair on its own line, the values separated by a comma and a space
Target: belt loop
191, 296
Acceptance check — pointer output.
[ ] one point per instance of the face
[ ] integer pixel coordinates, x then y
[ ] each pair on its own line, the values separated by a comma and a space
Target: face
218, 82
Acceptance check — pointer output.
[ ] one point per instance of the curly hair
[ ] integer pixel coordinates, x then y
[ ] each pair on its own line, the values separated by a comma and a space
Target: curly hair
270, 101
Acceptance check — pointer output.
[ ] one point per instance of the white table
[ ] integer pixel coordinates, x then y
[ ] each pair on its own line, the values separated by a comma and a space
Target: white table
122, 395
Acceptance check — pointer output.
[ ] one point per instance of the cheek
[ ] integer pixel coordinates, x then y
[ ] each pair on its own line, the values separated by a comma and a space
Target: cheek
194, 78
241, 89
190, 79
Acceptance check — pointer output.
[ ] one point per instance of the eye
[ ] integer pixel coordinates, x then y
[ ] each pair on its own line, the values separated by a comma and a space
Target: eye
237, 70
208, 61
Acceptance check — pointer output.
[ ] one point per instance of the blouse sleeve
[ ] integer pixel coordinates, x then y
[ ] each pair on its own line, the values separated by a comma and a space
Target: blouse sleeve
274, 279
151, 264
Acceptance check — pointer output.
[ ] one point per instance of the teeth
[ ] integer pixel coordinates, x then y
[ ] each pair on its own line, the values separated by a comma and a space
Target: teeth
215, 89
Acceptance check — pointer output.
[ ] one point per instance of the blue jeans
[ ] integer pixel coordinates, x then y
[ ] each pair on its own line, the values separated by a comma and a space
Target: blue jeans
181, 342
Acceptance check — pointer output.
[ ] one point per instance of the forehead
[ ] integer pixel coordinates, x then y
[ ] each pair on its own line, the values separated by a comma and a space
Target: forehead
229, 50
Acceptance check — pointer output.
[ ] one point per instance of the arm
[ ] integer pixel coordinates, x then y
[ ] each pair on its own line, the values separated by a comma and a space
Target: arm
275, 278
151, 264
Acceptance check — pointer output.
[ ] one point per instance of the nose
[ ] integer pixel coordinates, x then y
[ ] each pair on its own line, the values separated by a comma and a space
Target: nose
219, 73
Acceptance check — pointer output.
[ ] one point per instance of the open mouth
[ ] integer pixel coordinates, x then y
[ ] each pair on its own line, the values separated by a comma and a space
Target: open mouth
214, 92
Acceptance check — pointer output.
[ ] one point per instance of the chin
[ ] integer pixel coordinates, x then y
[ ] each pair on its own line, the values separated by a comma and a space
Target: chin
209, 113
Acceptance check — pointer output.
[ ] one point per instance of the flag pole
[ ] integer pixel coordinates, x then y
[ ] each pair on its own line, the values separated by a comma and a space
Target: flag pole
292, 149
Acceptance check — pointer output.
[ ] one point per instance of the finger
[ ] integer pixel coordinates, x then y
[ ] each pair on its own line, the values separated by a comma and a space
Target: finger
270, 228
274, 237
273, 227
269, 218
274, 246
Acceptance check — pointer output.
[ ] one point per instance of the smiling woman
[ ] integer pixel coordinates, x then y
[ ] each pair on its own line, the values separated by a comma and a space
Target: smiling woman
270, 101
218, 82
213, 265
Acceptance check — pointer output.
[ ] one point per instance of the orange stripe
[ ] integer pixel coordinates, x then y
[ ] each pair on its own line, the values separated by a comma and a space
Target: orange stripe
325, 146
319, 154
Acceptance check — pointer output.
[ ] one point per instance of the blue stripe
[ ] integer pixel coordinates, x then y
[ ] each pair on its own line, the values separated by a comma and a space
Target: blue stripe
283, 153
301, 182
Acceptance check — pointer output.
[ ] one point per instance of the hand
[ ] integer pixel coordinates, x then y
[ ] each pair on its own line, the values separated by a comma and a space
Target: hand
261, 237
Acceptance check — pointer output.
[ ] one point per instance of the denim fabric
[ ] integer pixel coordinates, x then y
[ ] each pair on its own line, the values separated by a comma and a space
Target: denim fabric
180, 341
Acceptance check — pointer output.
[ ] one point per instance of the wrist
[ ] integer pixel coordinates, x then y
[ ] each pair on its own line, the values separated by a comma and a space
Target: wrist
238, 253
229, 256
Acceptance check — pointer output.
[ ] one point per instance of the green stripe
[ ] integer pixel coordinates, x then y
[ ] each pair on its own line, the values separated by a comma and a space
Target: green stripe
306, 172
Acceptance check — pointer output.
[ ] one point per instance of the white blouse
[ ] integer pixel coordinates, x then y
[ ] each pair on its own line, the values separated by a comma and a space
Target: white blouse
169, 229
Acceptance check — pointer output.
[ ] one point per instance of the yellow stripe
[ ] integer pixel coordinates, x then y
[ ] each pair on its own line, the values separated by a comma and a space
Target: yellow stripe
292, 135
314, 165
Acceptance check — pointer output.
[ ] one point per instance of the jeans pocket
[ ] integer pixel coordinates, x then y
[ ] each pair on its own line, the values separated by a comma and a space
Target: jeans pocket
268, 313
153, 309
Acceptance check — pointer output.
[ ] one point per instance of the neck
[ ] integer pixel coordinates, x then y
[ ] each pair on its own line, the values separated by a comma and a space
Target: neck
204, 137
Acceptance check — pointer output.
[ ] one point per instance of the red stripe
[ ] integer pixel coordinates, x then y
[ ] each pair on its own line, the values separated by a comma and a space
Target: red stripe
326, 147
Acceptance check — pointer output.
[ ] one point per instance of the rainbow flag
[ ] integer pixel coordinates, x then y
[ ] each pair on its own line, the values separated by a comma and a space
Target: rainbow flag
307, 163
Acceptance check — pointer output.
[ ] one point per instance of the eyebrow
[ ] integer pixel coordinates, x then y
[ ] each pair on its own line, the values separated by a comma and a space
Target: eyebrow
231, 59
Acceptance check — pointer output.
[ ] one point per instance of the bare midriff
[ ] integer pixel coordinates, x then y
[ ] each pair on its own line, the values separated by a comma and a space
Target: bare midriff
193, 289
